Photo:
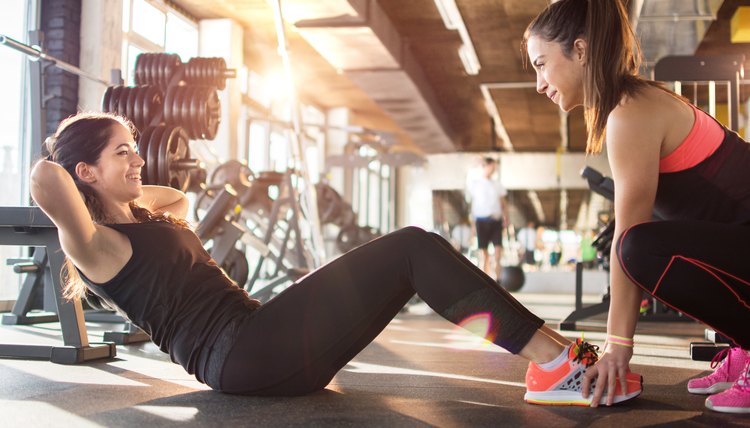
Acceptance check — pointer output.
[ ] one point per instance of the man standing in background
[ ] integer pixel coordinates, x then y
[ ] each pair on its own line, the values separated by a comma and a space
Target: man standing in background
489, 211
528, 238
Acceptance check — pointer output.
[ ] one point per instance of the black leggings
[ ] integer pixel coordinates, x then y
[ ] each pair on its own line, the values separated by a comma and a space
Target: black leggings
298, 341
700, 268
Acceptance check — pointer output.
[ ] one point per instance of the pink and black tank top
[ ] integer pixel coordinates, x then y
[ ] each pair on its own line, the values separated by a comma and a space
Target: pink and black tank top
707, 177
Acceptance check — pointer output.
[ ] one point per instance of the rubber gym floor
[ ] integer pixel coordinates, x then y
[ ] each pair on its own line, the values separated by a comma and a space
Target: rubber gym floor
422, 371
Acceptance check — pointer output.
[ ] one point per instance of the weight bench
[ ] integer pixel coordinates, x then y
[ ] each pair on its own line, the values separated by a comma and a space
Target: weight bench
29, 226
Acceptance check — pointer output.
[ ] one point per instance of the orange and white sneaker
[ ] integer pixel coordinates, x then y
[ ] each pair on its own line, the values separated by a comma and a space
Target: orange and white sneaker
563, 385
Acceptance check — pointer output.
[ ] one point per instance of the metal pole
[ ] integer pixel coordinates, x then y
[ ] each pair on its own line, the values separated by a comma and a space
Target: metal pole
38, 110
37, 54
311, 197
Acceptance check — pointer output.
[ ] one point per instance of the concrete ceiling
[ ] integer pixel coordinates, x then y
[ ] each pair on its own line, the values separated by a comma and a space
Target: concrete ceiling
396, 66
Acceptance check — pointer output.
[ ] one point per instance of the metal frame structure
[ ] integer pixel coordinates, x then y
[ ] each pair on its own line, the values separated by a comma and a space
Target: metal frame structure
29, 226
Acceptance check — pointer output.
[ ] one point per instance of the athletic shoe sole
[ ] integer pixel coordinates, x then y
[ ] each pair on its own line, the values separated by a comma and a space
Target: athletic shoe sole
573, 398
713, 389
724, 409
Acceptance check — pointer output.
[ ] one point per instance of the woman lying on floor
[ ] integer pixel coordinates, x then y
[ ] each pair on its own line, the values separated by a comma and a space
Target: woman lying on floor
128, 244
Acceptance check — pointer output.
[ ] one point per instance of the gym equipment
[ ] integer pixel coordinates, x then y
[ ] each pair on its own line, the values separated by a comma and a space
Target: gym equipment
171, 104
160, 69
332, 209
352, 236
273, 215
141, 103
37, 294
38, 284
29, 226
265, 223
314, 231
512, 278
166, 153
156, 68
195, 108
217, 227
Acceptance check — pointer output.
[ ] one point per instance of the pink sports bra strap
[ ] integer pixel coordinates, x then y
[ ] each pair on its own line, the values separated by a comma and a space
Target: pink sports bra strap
702, 141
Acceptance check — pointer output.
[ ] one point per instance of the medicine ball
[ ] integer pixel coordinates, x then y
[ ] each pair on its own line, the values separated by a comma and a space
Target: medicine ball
512, 278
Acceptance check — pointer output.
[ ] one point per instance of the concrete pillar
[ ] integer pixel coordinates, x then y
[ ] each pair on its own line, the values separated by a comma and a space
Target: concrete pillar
223, 38
101, 48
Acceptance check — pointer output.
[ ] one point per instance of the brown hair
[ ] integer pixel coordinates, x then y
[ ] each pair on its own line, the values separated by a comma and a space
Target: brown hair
613, 55
82, 138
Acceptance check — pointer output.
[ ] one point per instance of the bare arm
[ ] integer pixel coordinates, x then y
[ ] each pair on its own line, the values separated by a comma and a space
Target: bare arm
160, 199
83, 241
634, 160
635, 131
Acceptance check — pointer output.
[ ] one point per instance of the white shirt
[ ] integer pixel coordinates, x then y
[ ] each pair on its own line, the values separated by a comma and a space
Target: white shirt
527, 238
484, 195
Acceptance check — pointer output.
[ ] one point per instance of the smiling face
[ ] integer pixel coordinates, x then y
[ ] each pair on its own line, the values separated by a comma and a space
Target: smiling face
116, 176
558, 76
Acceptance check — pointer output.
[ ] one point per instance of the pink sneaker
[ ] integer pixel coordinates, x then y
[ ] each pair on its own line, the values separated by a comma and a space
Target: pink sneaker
727, 372
735, 399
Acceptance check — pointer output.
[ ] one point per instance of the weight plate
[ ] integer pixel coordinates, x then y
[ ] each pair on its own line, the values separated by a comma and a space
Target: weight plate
221, 81
162, 70
174, 148
143, 153
154, 111
145, 69
132, 95
169, 105
138, 107
196, 122
201, 123
138, 72
153, 155
122, 102
154, 70
105, 98
213, 115
114, 99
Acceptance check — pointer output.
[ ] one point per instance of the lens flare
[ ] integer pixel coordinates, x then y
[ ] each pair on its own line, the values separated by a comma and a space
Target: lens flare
480, 325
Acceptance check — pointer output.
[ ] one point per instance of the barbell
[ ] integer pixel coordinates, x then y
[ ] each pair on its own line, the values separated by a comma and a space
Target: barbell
195, 108
140, 104
166, 152
161, 69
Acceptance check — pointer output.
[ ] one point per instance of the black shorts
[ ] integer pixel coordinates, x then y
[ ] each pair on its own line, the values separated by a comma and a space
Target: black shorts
489, 230
528, 257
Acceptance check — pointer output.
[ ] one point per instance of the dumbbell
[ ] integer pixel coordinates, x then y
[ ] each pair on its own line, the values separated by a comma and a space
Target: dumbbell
167, 154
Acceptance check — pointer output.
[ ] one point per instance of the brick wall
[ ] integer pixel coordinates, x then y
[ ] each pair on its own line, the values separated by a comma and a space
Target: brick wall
61, 24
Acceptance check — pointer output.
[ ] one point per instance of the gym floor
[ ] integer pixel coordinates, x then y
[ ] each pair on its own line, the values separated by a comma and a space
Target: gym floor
422, 371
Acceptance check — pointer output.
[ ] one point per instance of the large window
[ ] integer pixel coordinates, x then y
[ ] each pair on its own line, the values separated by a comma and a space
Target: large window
151, 26
12, 89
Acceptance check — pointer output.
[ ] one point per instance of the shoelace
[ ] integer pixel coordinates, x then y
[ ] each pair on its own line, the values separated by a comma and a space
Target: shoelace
586, 353
718, 358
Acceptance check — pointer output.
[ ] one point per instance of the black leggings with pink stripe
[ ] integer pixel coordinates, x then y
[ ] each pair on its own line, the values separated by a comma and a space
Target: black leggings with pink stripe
700, 268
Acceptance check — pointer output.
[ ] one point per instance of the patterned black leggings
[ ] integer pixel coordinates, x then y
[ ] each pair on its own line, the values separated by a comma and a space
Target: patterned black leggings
298, 341
700, 268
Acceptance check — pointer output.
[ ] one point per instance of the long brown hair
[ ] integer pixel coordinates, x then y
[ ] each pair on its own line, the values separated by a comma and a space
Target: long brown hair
82, 138
613, 56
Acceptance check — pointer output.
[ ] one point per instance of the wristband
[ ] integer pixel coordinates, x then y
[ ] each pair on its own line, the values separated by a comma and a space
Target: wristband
627, 339
621, 341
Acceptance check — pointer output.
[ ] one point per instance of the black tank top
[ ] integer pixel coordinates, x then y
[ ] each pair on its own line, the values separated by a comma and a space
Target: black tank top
175, 292
717, 189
